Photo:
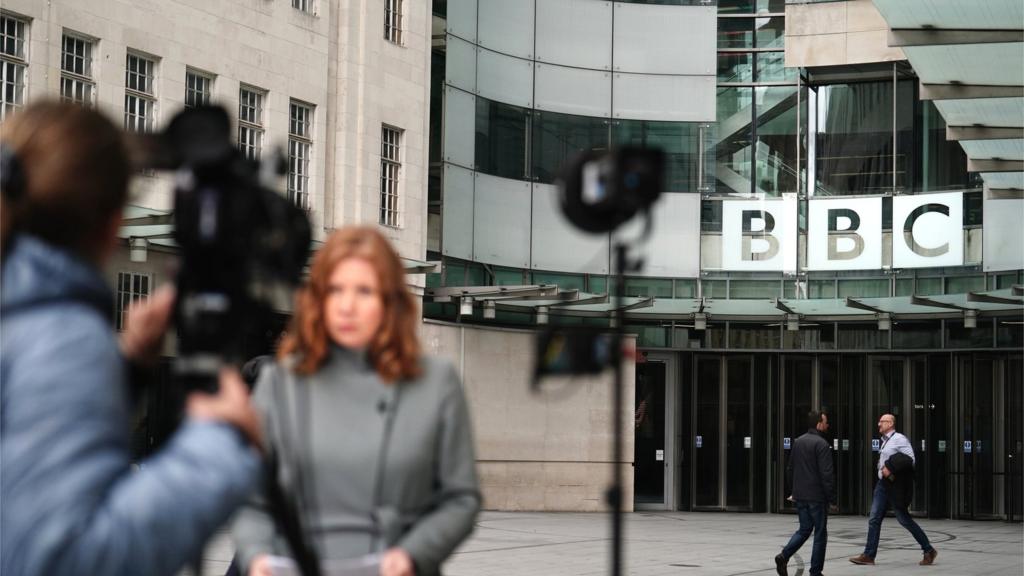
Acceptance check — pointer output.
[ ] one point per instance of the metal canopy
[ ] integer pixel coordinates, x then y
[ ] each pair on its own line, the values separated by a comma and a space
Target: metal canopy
969, 57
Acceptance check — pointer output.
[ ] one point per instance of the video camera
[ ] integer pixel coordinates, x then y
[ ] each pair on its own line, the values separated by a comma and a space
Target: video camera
243, 246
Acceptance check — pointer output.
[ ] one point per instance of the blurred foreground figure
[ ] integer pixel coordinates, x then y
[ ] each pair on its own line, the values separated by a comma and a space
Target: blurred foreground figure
375, 439
71, 504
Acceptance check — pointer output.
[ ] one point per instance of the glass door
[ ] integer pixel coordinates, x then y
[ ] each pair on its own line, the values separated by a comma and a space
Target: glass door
797, 400
652, 433
980, 489
842, 397
707, 424
725, 439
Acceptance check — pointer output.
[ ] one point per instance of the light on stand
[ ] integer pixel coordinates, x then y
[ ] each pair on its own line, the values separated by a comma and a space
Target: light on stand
700, 321
792, 322
884, 321
970, 318
465, 306
542, 315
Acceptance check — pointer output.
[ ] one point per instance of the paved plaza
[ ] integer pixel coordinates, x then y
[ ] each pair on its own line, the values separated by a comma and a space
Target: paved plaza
716, 544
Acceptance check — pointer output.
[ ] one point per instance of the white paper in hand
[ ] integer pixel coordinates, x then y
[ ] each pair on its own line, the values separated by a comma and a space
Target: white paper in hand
368, 565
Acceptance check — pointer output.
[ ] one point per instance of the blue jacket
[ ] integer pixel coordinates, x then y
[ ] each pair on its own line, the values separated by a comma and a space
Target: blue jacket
70, 502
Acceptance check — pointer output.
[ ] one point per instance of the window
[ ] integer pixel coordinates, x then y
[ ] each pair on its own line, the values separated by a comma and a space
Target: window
13, 64
76, 83
250, 121
300, 140
390, 168
393, 21
198, 87
130, 287
139, 93
303, 5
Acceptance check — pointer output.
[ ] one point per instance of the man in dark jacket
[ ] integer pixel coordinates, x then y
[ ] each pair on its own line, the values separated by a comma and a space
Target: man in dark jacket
813, 490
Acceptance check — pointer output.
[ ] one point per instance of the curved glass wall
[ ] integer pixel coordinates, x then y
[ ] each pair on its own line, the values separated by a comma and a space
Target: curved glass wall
524, 144
502, 131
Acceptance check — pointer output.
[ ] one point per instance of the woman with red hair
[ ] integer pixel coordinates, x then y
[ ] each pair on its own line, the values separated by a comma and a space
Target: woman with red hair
374, 438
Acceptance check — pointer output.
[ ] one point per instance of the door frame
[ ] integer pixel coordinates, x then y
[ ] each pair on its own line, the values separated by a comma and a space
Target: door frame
672, 425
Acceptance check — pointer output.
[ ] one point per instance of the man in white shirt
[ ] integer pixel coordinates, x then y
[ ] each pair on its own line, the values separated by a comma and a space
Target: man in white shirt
892, 443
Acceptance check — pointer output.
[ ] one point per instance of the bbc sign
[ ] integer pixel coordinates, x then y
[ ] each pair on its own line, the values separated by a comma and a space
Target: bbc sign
843, 233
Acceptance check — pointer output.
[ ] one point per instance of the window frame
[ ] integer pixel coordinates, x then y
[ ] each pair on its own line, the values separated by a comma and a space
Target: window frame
77, 86
393, 21
191, 93
13, 65
390, 176
251, 130
124, 299
144, 97
300, 138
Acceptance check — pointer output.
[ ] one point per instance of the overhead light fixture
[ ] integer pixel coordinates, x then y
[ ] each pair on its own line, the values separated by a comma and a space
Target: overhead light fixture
137, 248
700, 321
542, 315
465, 306
490, 310
792, 322
970, 318
613, 322
884, 321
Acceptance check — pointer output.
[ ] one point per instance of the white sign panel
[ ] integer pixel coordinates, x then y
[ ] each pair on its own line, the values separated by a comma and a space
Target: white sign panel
928, 230
844, 234
759, 234
1004, 234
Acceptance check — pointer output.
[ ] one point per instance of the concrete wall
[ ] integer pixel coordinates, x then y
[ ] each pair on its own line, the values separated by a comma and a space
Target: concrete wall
547, 452
836, 33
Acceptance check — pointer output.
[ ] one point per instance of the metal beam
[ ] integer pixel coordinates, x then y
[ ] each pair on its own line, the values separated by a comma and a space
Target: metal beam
990, 299
902, 37
852, 303
984, 132
968, 91
151, 220
994, 165
1004, 194
922, 301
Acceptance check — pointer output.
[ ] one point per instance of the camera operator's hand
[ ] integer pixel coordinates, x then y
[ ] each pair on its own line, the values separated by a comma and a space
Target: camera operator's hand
260, 566
230, 404
146, 324
396, 562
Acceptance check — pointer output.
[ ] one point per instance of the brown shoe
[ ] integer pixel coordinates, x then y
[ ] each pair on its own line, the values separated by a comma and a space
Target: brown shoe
929, 557
863, 560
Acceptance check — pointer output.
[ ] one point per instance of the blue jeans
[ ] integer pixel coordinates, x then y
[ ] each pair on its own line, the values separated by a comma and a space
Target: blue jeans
813, 517
879, 505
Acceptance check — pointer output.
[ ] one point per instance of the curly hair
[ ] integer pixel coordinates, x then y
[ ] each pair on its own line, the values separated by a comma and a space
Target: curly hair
394, 350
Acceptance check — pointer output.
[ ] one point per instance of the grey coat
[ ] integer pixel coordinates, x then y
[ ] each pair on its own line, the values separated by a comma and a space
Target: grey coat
392, 465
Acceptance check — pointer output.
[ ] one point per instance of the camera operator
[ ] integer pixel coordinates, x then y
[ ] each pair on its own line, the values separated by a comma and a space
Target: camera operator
71, 505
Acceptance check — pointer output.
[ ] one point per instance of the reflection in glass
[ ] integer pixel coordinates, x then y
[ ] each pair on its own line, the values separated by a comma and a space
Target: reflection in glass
733, 136
853, 138
679, 141
559, 137
739, 438
649, 424
777, 169
941, 164
735, 67
501, 147
861, 336
770, 32
736, 33
771, 67
706, 432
